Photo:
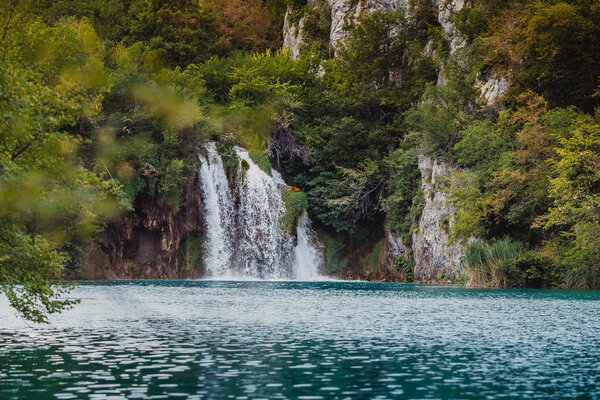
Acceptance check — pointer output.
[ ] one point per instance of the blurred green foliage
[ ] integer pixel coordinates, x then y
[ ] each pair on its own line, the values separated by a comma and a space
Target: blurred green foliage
50, 78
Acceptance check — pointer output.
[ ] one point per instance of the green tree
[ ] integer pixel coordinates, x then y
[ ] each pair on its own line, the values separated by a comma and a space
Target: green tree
50, 78
551, 47
575, 189
184, 31
403, 202
444, 111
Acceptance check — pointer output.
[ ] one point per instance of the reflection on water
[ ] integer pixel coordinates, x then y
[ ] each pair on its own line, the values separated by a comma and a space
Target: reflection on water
274, 340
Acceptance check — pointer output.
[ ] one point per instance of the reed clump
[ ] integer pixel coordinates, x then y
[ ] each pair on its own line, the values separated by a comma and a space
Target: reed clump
493, 264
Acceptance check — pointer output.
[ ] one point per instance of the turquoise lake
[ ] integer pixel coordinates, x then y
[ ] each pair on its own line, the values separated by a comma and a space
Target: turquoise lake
299, 340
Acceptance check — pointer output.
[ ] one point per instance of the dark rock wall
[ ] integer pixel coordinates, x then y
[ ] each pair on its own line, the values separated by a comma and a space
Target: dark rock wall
150, 242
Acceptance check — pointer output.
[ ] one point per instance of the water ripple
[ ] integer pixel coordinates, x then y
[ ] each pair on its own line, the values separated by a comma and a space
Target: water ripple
329, 340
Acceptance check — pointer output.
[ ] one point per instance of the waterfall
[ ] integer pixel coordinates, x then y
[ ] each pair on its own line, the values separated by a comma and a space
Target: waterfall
244, 237
218, 201
263, 248
306, 253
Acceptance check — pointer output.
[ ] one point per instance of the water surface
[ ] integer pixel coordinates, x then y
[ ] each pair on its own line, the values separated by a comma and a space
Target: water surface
338, 340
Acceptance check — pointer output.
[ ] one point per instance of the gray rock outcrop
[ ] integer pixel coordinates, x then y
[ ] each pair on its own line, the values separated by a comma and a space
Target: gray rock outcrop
343, 14
436, 258
293, 35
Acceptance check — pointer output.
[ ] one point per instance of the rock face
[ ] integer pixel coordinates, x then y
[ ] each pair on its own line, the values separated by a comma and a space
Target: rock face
393, 249
344, 13
446, 9
293, 35
493, 88
435, 257
146, 244
394, 246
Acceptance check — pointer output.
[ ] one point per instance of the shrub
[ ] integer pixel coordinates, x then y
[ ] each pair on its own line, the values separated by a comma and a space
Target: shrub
575, 190
444, 111
403, 203
175, 174
317, 25
535, 271
373, 259
473, 21
405, 265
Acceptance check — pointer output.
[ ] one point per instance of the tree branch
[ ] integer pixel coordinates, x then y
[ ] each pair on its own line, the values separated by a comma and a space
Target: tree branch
16, 153
10, 15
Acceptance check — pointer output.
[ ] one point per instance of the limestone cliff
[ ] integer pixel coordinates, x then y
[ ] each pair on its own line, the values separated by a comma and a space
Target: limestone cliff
436, 258
343, 14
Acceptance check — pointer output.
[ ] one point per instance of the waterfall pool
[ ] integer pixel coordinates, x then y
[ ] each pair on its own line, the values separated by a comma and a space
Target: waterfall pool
305, 340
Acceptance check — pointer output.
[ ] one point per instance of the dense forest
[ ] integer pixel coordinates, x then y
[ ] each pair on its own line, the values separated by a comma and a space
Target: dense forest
105, 103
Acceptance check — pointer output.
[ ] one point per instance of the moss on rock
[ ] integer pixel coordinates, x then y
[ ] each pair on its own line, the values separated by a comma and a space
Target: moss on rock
296, 203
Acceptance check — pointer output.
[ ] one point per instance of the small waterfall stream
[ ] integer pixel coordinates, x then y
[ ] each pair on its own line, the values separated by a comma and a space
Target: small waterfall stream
244, 234
307, 255
218, 201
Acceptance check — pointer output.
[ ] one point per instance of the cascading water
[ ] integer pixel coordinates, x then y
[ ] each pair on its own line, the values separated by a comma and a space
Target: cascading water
262, 246
219, 212
244, 233
306, 253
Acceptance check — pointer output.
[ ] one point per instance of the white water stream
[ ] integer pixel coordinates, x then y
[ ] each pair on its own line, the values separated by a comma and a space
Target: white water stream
245, 238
